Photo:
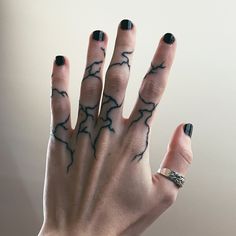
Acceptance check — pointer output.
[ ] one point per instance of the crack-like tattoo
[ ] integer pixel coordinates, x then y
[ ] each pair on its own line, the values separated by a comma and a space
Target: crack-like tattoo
154, 69
124, 62
149, 112
104, 51
62, 93
83, 128
71, 151
93, 70
106, 119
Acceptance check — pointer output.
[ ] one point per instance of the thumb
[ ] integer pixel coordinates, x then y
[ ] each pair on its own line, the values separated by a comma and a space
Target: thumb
179, 153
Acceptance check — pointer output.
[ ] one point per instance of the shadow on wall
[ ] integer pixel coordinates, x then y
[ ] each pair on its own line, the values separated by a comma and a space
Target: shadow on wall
16, 211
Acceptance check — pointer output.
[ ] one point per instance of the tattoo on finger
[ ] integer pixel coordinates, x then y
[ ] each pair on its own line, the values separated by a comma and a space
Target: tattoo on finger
62, 125
105, 118
104, 51
154, 69
62, 93
125, 61
93, 70
88, 111
144, 114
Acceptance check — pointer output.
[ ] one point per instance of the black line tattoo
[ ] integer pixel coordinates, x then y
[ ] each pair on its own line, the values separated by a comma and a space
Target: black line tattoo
83, 128
106, 120
62, 93
154, 69
124, 62
149, 113
93, 70
104, 51
71, 151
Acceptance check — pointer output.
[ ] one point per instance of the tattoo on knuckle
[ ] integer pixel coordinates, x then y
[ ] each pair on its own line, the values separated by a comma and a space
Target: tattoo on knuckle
144, 114
94, 69
57, 91
62, 125
88, 112
105, 118
125, 60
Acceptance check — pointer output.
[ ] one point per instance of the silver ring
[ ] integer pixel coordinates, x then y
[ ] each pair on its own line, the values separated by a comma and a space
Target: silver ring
173, 176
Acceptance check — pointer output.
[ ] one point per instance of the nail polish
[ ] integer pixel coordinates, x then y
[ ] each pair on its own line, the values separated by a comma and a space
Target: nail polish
60, 60
188, 129
126, 25
98, 35
169, 38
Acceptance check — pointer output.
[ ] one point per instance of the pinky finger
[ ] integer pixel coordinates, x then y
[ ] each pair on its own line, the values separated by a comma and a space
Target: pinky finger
60, 103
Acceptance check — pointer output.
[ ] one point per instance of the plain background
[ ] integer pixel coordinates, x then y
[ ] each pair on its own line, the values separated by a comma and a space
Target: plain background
201, 90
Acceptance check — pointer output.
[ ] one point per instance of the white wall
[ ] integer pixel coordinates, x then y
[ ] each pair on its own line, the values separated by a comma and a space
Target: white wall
201, 90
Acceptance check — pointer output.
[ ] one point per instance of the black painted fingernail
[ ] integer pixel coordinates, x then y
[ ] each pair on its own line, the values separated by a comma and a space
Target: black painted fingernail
188, 129
60, 60
126, 24
98, 35
169, 38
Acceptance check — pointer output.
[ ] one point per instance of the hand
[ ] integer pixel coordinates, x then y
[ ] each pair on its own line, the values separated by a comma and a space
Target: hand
98, 178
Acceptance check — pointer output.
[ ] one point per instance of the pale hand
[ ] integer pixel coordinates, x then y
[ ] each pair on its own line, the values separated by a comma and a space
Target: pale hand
98, 178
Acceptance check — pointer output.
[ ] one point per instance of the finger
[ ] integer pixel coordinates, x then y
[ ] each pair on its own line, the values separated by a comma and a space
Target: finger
60, 103
178, 156
154, 83
60, 107
118, 72
91, 85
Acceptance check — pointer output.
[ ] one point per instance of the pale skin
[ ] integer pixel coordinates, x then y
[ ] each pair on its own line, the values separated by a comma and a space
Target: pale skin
98, 179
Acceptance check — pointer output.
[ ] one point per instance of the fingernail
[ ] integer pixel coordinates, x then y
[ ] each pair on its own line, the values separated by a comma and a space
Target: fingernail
188, 129
60, 60
169, 38
98, 35
126, 24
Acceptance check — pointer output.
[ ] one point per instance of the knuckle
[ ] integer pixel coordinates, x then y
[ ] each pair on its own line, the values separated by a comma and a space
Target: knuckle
57, 105
131, 145
185, 154
117, 81
182, 151
169, 196
167, 191
151, 89
90, 89
57, 77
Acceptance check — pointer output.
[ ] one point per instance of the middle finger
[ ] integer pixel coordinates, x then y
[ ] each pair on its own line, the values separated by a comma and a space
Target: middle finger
117, 75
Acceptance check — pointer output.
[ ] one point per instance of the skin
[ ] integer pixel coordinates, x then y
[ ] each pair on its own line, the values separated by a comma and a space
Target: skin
98, 179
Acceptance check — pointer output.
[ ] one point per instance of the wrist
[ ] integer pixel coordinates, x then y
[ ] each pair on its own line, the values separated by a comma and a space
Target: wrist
46, 231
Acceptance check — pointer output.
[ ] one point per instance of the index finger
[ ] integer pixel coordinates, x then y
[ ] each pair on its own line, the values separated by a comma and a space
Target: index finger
154, 82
